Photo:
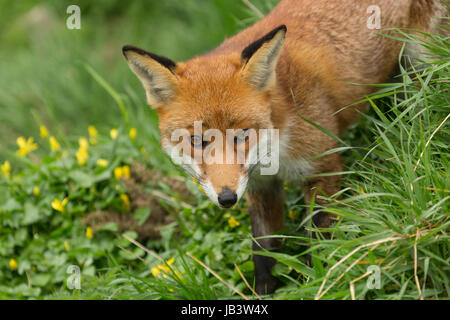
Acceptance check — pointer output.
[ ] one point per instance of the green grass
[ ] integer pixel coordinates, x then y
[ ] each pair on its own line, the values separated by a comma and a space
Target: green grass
394, 206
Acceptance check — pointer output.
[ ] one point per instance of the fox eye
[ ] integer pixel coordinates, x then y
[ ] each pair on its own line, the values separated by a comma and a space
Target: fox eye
241, 136
198, 142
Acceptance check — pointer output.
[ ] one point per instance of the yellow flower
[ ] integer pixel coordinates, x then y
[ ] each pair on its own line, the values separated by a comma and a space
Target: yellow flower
82, 153
113, 133
83, 142
156, 272
6, 169
92, 134
25, 146
362, 190
67, 245
102, 162
233, 222
368, 262
59, 205
291, 214
201, 189
13, 264
44, 132
133, 133
126, 171
125, 200
177, 274
163, 268
54, 145
120, 172
36, 191
89, 233
82, 156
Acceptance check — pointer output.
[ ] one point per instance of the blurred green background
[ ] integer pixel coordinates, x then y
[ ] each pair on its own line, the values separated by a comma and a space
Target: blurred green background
43, 73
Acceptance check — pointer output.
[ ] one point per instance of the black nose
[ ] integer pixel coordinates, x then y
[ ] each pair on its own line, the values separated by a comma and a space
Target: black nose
227, 198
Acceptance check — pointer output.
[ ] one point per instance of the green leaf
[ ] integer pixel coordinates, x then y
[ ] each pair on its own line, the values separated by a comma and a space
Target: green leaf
288, 260
142, 214
11, 205
131, 234
81, 178
110, 226
88, 271
31, 214
105, 175
318, 267
40, 280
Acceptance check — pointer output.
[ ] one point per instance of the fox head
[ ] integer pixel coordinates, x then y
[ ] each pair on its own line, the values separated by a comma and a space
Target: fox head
211, 107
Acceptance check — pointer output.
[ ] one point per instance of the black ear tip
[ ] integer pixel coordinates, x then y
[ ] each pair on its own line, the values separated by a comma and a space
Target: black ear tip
253, 47
169, 64
125, 49
282, 27
128, 48
278, 29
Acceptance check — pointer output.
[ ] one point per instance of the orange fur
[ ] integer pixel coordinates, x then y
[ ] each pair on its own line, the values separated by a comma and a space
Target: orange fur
327, 49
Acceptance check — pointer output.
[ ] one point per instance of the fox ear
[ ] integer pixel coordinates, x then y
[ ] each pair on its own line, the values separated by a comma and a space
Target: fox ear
155, 72
260, 59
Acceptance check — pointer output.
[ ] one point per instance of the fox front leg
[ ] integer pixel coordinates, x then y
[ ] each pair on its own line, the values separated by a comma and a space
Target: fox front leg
266, 214
328, 185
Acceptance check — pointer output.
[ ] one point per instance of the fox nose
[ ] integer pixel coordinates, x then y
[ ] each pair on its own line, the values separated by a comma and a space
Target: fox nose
227, 198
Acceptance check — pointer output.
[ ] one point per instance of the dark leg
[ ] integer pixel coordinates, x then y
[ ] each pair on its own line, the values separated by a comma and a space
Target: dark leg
328, 185
315, 187
266, 214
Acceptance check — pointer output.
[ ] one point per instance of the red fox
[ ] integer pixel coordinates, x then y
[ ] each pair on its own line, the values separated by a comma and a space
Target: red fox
298, 60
